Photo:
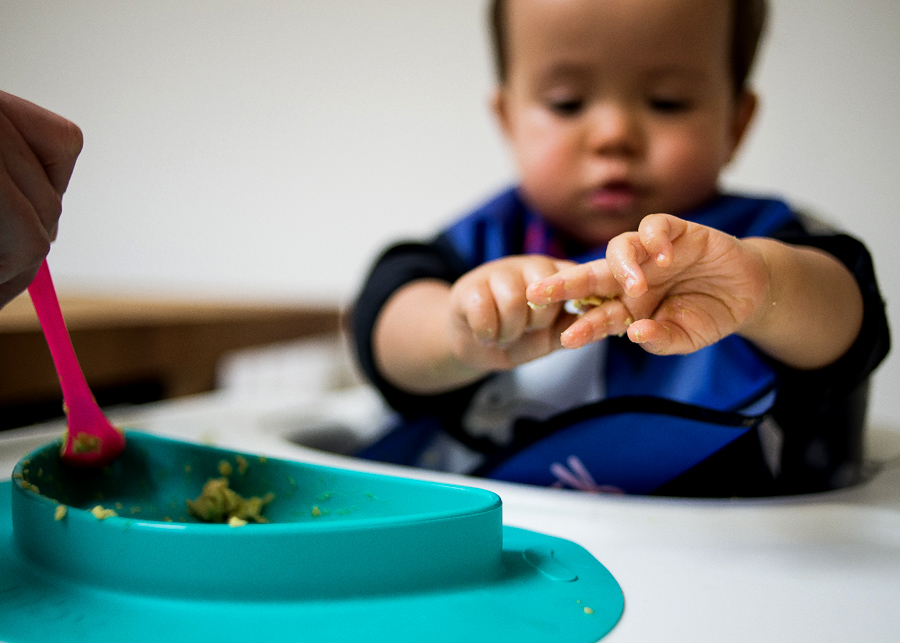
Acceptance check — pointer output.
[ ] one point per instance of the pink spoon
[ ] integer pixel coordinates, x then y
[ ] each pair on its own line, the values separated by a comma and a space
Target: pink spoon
91, 440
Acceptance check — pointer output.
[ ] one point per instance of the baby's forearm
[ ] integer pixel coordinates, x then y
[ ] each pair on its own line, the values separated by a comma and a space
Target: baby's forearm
814, 308
411, 344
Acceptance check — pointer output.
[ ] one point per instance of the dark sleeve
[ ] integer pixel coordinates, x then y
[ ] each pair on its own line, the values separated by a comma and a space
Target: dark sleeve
873, 342
822, 412
397, 266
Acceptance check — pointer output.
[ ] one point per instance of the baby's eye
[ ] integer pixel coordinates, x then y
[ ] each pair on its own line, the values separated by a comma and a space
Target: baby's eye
566, 106
669, 105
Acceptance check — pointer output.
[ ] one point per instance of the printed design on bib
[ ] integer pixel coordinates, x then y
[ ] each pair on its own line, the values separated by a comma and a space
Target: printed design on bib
576, 476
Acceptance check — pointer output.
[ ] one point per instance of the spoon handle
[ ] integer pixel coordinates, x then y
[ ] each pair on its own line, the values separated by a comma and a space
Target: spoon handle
46, 305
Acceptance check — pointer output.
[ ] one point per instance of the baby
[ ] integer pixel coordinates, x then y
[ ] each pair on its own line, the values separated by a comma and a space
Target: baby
727, 341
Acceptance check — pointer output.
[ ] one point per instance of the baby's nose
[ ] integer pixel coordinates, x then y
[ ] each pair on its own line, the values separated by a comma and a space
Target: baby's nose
614, 129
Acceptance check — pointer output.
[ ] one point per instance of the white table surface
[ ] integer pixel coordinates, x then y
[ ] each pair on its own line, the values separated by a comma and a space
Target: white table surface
816, 568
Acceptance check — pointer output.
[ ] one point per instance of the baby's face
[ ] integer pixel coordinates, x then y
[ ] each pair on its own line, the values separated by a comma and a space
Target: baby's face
616, 109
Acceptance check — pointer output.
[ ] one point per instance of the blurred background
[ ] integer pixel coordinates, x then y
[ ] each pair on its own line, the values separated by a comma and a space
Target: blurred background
257, 155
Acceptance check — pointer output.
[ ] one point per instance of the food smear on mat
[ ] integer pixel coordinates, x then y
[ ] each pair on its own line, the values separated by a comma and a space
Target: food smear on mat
101, 513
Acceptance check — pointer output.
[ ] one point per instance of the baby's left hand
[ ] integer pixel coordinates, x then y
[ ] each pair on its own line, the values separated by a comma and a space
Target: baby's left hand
674, 286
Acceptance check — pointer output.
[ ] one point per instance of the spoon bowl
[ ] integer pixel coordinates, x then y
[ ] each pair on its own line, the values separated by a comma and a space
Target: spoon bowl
91, 439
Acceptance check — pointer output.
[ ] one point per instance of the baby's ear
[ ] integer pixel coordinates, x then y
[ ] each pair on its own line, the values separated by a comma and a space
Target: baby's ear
744, 110
499, 108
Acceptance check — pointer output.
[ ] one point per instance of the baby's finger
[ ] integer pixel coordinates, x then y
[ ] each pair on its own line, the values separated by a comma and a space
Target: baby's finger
657, 232
610, 318
479, 313
542, 317
508, 292
660, 338
576, 282
625, 254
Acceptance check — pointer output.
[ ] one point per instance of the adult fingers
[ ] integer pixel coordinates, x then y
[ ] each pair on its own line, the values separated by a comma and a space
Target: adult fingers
26, 188
23, 245
9, 289
55, 141
38, 151
24, 241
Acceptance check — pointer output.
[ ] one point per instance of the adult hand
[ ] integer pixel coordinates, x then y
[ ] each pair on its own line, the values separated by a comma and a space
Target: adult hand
38, 150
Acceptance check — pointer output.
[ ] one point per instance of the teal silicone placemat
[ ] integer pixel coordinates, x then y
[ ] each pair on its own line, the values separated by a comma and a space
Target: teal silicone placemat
527, 587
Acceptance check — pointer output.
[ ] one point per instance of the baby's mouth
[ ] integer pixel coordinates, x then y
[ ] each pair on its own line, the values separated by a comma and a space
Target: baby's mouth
614, 196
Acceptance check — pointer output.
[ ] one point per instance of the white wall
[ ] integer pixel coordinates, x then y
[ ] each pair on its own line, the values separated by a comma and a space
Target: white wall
236, 146
829, 135
270, 148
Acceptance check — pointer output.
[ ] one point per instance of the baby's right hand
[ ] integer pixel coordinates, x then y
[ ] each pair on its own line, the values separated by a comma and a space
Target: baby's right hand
491, 325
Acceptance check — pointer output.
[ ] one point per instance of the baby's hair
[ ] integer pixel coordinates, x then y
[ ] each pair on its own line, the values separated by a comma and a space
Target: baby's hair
749, 23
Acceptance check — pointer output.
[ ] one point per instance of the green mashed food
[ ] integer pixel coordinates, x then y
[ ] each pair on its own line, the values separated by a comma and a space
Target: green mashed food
219, 503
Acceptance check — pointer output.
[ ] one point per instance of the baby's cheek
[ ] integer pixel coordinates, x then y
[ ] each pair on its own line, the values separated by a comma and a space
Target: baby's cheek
546, 173
687, 173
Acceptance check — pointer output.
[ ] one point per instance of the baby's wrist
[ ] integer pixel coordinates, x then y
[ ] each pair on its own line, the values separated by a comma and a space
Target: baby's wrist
763, 268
